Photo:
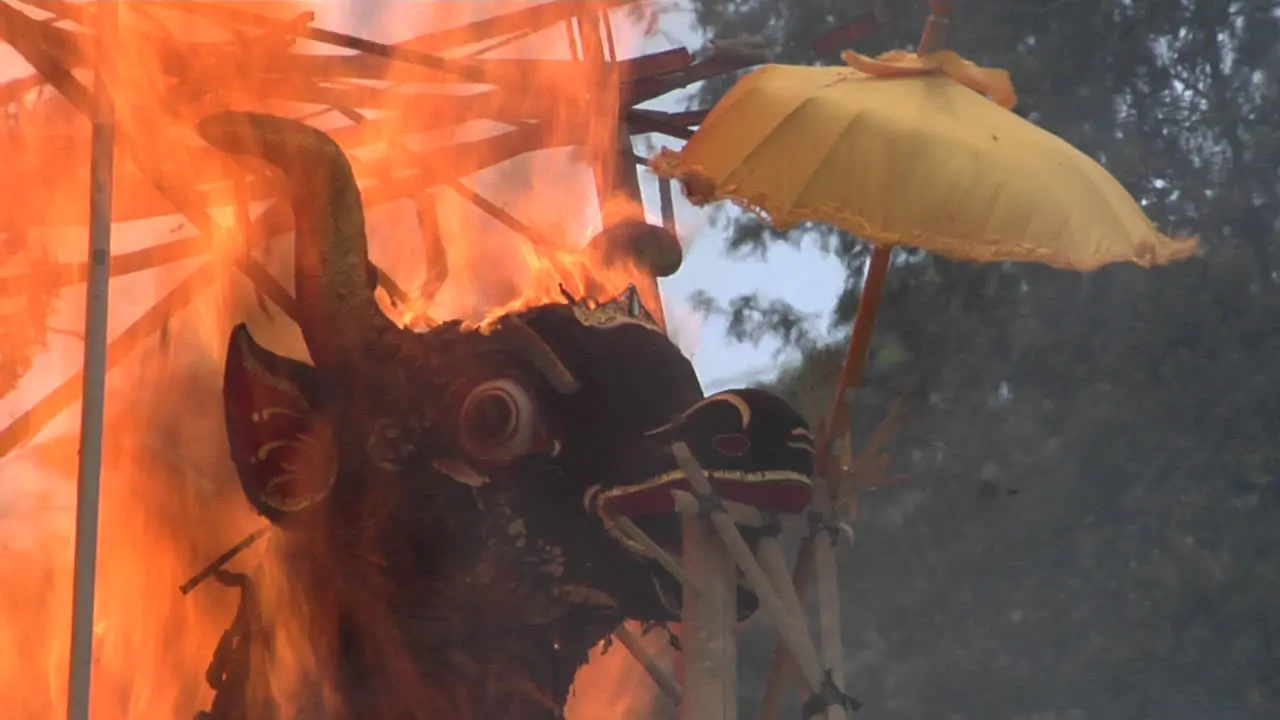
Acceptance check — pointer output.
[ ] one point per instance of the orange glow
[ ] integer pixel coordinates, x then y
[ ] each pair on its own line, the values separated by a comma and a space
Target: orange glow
170, 500
614, 686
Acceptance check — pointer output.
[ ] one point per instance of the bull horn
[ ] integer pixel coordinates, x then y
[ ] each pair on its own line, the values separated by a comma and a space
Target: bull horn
337, 309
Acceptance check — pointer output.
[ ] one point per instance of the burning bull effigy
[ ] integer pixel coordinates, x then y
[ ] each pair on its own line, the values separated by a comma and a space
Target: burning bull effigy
448, 502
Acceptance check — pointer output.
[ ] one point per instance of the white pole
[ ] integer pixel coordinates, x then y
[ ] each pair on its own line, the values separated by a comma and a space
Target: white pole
707, 622
95, 361
824, 553
661, 678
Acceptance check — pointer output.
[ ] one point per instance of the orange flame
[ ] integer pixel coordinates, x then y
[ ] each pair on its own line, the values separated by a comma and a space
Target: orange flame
170, 501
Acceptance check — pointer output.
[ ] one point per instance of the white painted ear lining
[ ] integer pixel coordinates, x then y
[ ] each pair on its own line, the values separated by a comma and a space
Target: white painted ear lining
744, 410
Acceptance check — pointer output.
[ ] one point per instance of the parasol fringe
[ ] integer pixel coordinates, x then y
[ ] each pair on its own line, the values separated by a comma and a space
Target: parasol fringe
1152, 250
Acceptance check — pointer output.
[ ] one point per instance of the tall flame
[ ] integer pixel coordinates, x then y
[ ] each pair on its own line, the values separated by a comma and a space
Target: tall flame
170, 502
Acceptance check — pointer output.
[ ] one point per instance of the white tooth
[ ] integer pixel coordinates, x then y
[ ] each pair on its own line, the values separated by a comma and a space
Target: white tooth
847, 530
588, 497
461, 471
667, 601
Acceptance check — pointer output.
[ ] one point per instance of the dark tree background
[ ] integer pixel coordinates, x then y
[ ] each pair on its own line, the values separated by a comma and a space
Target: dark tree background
1091, 522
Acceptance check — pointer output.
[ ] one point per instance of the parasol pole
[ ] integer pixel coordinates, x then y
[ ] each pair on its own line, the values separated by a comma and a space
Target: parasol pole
835, 441
95, 361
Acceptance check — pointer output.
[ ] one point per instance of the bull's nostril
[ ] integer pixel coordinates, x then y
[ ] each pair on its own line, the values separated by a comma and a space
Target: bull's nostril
731, 445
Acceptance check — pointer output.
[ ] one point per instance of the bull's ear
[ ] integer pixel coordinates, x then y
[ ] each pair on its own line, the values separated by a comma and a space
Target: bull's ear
282, 438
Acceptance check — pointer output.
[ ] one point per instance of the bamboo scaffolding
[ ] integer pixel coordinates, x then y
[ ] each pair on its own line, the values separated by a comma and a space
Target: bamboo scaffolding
94, 386
373, 52
142, 199
66, 84
142, 193
643, 78
56, 51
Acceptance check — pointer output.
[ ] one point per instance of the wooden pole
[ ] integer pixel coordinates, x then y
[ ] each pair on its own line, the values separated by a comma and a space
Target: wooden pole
95, 361
834, 440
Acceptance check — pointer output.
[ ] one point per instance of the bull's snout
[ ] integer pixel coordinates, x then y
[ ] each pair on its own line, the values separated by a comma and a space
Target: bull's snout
756, 451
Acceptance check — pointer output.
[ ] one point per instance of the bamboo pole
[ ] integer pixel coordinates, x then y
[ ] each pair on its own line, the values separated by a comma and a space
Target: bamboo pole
774, 561
667, 204
466, 70
497, 212
834, 440
660, 676
824, 559
707, 618
61, 275
434, 252
529, 19
88, 486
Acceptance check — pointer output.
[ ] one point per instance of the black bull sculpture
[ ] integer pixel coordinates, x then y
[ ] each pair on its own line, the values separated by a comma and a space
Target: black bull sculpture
448, 497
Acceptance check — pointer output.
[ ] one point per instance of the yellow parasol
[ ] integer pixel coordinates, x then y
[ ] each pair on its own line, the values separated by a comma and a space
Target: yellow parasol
907, 150
918, 150
912, 149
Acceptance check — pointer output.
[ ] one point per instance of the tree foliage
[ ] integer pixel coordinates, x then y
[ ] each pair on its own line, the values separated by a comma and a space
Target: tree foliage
1088, 524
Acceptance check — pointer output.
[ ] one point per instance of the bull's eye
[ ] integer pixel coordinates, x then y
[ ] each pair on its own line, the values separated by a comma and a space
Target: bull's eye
499, 421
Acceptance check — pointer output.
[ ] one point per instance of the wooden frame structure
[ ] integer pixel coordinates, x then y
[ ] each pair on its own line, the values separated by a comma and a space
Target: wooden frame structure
50, 36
